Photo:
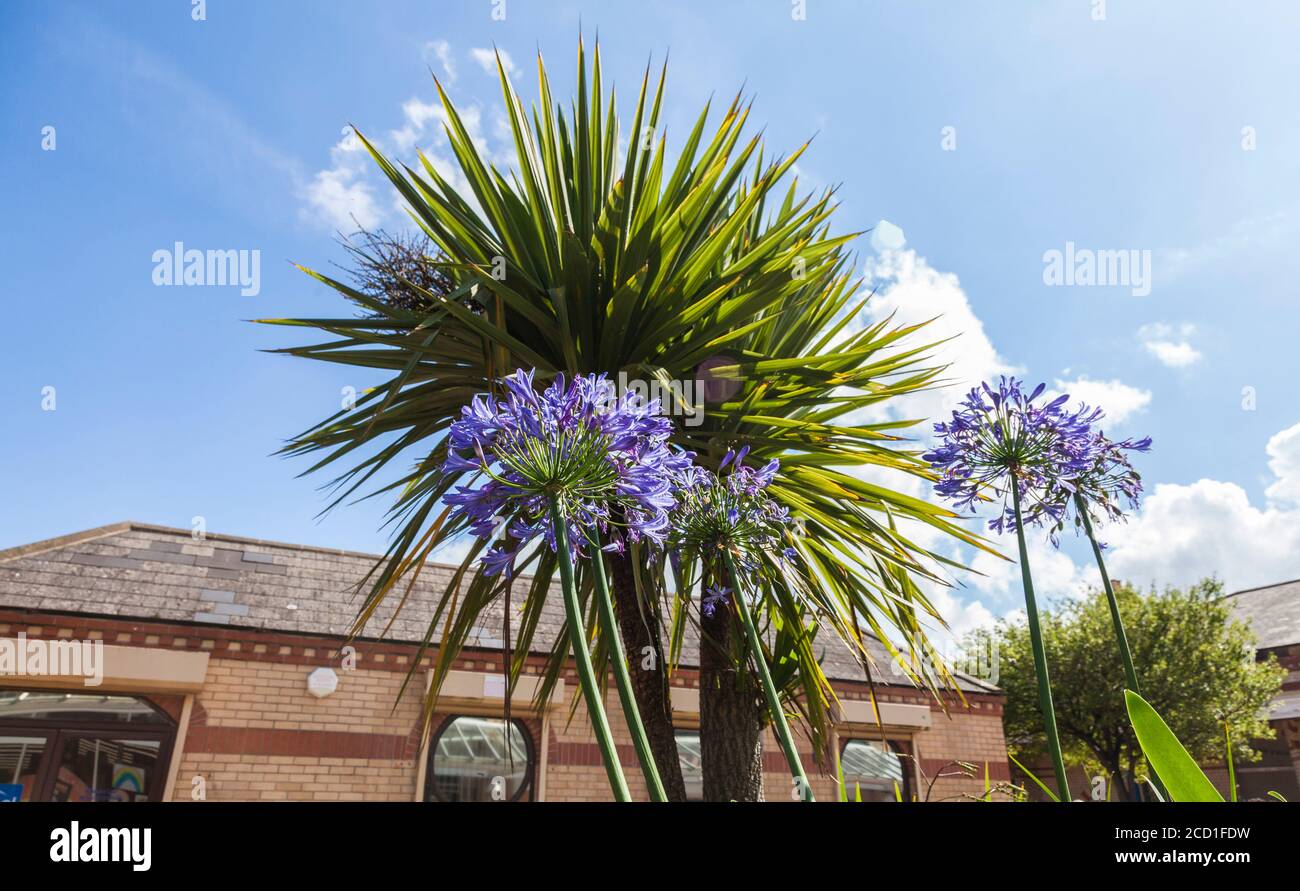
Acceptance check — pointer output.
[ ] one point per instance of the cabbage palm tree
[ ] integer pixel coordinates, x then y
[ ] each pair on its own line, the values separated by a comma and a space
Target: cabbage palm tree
597, 251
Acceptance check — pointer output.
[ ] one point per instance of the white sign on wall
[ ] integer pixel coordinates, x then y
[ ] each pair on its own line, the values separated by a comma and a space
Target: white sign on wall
322, 682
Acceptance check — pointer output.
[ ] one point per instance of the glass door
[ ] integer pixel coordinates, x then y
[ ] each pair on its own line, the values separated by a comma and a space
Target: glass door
21, 758
94, 766
72, 746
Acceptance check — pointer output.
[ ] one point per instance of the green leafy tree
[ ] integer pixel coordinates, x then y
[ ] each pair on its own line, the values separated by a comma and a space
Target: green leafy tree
1196, 662
600, 250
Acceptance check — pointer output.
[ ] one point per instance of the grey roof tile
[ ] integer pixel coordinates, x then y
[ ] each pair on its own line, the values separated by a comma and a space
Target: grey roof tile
169, 576
1273, 613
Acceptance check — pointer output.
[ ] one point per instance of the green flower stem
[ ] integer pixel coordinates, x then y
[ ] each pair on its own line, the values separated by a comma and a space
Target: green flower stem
586, 675
631, 714
1040, 657
1129, 672
1125, 654
779, 724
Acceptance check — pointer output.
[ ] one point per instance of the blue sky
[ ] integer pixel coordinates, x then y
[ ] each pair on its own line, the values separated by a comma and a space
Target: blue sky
1166, 127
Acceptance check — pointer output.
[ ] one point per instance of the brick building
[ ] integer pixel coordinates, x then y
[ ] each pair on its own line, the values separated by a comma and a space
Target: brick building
222, 676
1273, 613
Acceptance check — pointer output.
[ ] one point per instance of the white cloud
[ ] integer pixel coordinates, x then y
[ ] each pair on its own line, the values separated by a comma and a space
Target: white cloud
423, 124
962, 614
1184, 533
998, 592
453, 551
417, 116
1054, 572
1169, 343
1117, 398
994, 590
913, 291
885, 236
345, 190
1284, 460
440, 50
339, 196
487, 60
1175, 355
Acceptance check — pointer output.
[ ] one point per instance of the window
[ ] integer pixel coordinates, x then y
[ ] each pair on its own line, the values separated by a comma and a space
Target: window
20, 763
688, 755
877, 768
57, 746
480, 759
48, 705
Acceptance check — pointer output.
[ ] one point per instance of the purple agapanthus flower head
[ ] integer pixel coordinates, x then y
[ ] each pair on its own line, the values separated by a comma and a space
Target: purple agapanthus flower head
1003, 437
732, 511
1106, 487
714, 597
604, 456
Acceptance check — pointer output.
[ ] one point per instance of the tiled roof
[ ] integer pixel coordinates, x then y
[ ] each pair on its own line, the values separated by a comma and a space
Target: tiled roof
135, 570
1273, 613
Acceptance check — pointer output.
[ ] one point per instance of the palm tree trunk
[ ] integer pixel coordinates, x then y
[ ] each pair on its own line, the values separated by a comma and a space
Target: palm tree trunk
731, 713
775, 710
649, 686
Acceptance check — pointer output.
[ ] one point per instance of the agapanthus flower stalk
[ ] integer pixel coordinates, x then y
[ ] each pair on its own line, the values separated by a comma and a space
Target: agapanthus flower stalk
627, 697
1106, 483
1045, 704
1103, 488
1002, 447
571, 466
582, 658
1121, 637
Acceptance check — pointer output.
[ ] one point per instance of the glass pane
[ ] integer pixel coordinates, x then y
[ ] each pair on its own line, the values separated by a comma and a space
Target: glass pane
100, 769
688, 755
45, 705
874, 767
20, 762
478, 759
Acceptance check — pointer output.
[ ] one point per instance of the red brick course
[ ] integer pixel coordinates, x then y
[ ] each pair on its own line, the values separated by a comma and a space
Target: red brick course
254, 732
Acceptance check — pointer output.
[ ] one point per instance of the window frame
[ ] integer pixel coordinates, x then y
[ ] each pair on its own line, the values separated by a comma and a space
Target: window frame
527, 789
58, 732
677, 731
900, 748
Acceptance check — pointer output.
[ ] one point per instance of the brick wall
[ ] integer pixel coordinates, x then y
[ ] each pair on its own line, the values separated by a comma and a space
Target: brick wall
973, 736
255, 733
